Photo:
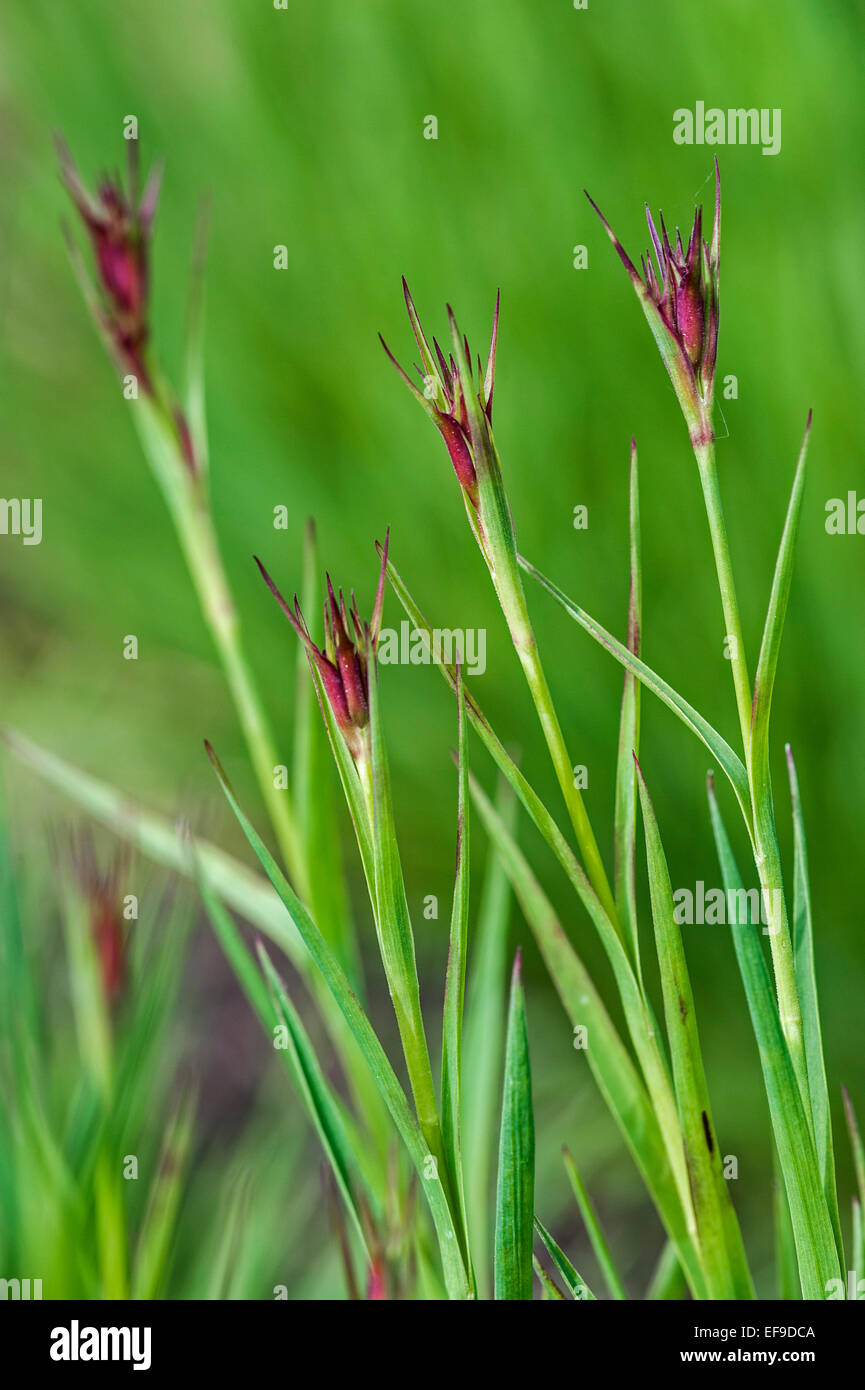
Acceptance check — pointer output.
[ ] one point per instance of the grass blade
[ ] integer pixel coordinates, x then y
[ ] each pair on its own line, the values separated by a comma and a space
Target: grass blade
515, 1190
723, 1259
721, 751
396, 938
320, 1101
629, 740
607, 1056
806, 981
603, 1256
770, 647
343, 1146
858, 1156
456, 1278
155, 1243
638, 1012
549, 1292
575, 1285
786, 1267
483, 1044
452, 1021
667, 1284
816, 1249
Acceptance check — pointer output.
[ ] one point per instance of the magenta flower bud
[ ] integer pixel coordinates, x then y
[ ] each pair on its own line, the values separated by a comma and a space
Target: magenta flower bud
443, 395
343, 664
679, 292
120, 226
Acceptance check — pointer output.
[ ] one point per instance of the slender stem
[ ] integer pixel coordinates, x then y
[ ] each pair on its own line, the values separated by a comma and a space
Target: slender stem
208, 575
767, 857
410, 1024
705, 455
767, 854
510, 592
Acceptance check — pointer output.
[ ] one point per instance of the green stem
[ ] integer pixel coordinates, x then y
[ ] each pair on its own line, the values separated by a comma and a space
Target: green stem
705, 456
767, 857
205, 565
512, 599
406, 1004
767, 854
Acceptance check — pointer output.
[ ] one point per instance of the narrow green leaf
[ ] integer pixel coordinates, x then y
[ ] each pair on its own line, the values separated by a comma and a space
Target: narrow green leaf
407, 1126
786, 1266
629, 739
858, 1148
452, 1020
343, 1146
483, 1046
857, 1242
575, 1285
806, 982
515, 1189
157, 1240
770, 647
321, 1104
816, 1248
667, 1283
549, 1292
224, 1260
395, 935
641, 1022
606, 1054
723, 1257
721, 751
603, 1255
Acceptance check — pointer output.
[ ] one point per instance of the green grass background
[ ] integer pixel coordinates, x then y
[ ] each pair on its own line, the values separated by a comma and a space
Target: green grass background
305, 127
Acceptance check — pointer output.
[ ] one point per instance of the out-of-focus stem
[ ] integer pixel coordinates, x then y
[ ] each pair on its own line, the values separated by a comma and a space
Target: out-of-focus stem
110, 1228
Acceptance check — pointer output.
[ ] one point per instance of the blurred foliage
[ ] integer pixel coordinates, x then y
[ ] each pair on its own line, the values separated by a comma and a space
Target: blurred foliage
305, 127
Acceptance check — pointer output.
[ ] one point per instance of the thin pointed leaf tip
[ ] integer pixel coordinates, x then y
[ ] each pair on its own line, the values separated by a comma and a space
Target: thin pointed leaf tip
448, 390
679, 292
342, 663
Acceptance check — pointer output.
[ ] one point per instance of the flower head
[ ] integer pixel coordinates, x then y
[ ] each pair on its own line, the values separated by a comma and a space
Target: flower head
343, 665
120, 224
446, 391
679, 292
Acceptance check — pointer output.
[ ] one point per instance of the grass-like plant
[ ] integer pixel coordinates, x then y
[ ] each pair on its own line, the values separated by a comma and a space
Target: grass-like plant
653, 1080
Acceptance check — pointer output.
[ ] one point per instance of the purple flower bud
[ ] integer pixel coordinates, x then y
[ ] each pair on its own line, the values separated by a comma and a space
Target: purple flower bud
443, 394
119, 226
342, 665
679, 292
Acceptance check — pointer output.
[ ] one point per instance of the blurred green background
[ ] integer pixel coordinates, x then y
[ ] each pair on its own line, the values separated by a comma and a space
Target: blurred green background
305, 128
